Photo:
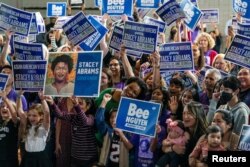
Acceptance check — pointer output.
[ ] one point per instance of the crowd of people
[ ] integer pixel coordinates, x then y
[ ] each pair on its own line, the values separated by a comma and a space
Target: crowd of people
37, 130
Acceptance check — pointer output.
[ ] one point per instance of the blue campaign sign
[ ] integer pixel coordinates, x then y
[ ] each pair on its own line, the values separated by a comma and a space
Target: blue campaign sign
193, 14
29, 75
147, 3
88, 74
56, 9
33, 26
138, 116
194, 2
90, 43
210, 16
98, 3
140, 37
116, 38
134, 53
117, 7
243, 29
170, 12
28, 51
176, 57
161, 25
15, 20
239, 51
244, 141
78, 29
3, 81
242, 7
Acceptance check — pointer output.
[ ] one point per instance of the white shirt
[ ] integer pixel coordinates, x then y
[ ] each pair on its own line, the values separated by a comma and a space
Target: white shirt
36, 143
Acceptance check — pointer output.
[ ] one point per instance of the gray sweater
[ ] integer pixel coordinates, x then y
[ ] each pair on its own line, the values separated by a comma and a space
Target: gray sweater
240, 113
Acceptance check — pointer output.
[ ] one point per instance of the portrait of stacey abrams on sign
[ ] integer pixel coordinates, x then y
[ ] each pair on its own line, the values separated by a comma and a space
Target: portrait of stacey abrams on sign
60, 75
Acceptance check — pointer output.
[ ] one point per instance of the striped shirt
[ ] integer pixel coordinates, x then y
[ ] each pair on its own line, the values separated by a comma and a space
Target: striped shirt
84, 146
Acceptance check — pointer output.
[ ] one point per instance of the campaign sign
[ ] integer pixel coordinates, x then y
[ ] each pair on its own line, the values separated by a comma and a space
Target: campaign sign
15, 20
40, 23
147, 3
98, 3
194, 2
210, 16
33, 26
170, 12
116, 38
91, 42
82, 77
133, 53
193, 14
29, 75
117, 7
75, 2
3, 81
243, 29
60, 21
140, 37
55, 9
78, 29
136, 116
242, 7
176, 57
244, 140
161, 25
239, 51
28, 51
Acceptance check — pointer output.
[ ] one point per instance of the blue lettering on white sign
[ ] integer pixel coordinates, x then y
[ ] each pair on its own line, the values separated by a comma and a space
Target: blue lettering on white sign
147, 3
137, 116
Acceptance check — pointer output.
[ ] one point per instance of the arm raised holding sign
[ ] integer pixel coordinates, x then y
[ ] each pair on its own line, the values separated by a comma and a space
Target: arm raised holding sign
4, 53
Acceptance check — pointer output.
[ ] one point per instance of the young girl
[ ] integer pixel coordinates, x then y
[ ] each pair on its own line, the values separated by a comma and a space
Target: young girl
176, 136
9, 125
213, 142
84, 146
114, 152
34, 132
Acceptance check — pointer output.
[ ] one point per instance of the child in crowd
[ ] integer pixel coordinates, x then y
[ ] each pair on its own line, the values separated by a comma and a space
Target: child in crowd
9, 125
114, 152
84, 146
176, 136
213, 142
35, 127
